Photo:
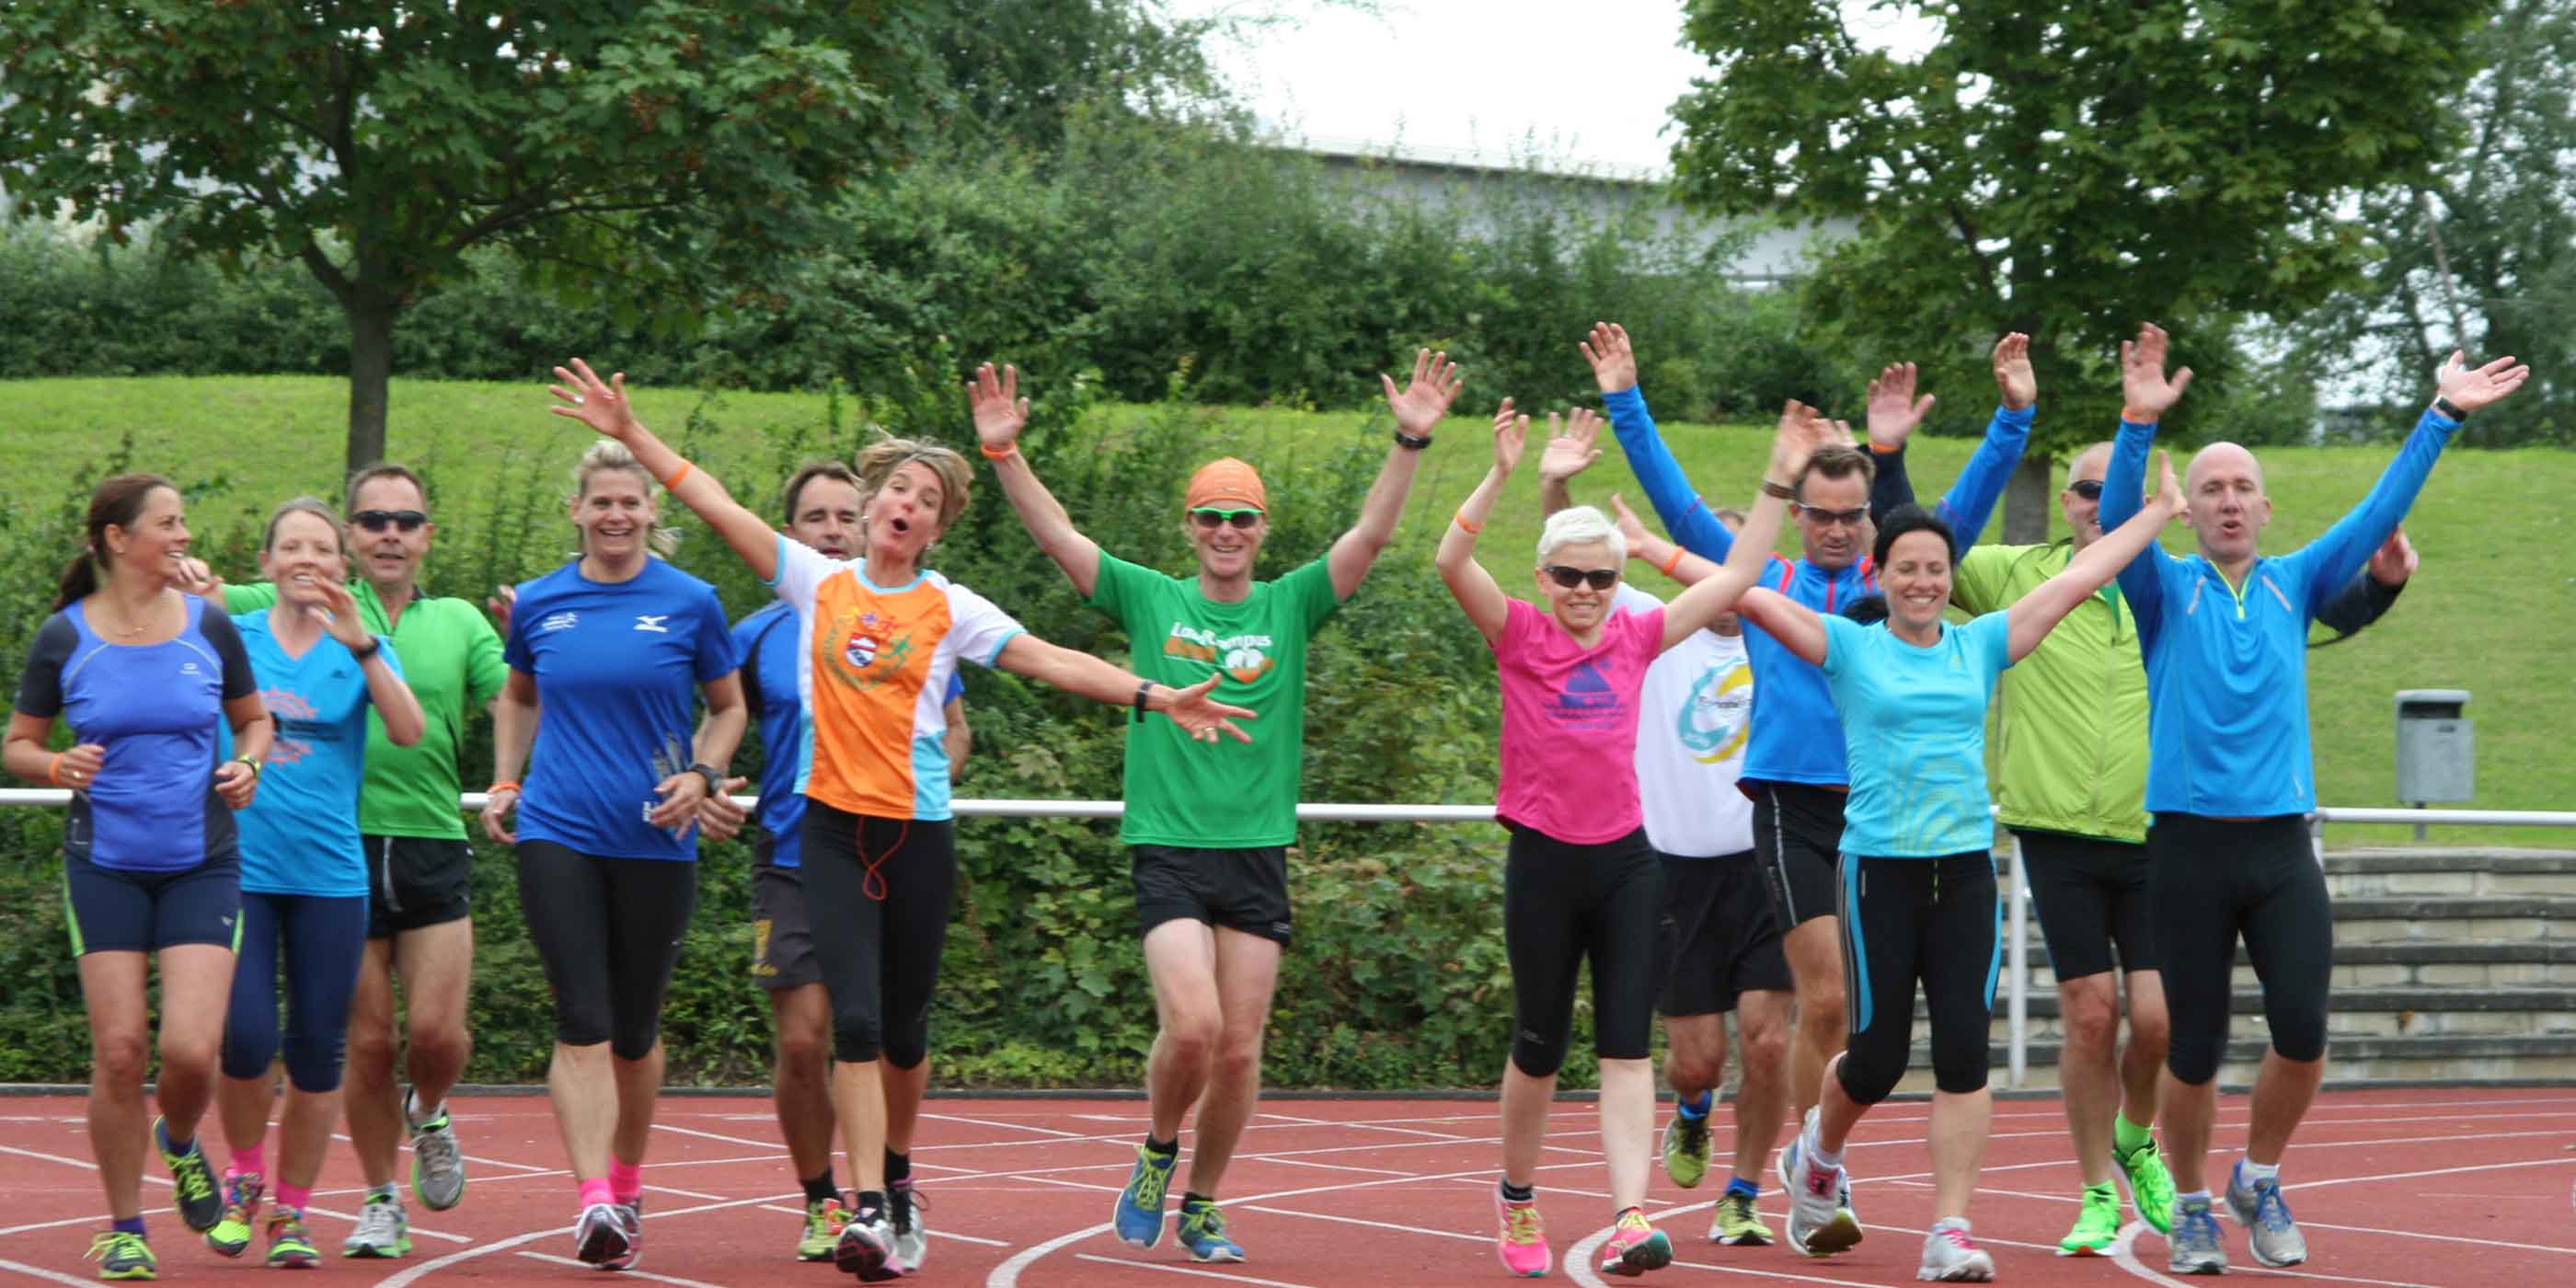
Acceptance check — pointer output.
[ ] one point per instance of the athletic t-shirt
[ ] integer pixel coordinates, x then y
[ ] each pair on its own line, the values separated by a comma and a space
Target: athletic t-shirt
872, 665
452, 660
1914, 726
156, 709
1230, 795
617, 666
1694, 717
300, 834
1570, 723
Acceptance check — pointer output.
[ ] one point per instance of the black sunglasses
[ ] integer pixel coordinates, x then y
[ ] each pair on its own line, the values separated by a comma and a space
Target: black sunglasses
378, 520
1210, 517
2089, 489
1600, 578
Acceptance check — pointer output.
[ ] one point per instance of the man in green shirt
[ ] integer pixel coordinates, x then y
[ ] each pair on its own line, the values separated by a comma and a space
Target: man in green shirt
419, 921
1210, 825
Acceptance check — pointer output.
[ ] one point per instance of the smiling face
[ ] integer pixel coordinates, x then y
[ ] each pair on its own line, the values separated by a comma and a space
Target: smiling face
615, 513
1226, 551
303, 556
1916, 579
1833, 518
388, 555
2228, 508
1579, 607
155, 542
826, 517
2084, 513
902, 519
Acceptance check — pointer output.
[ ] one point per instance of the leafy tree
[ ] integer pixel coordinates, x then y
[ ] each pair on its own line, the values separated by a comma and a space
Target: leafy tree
2482, 252
2069, 171
659, 154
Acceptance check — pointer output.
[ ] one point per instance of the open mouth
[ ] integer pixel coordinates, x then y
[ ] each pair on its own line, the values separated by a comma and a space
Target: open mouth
900, 525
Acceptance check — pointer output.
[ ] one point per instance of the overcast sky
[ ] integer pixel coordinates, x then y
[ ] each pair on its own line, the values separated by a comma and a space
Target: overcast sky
1593, 80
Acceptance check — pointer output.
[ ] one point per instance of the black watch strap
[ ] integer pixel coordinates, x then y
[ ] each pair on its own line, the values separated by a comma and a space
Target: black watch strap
2448, 408
713, 775
373, 647
1141, 690
1410, 443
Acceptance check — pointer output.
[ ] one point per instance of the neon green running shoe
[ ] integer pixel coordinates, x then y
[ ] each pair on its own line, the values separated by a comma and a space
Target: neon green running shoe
289, 1248
1739, 1223
1686, 1149
241, 1210
2151, 1190
122, 1256
200, 1196
823, 1221
2097, 1224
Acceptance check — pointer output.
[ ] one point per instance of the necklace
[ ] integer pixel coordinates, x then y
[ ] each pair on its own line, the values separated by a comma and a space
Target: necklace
137, 629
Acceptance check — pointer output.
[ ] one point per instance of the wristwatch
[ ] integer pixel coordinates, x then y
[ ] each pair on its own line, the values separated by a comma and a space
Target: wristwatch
713, 775
1408, 442
254, 766
2446, 407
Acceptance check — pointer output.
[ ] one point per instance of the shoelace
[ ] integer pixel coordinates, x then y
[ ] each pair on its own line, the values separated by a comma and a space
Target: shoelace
194, 1181
108, 1243
1151, 1185
2197, 1227
1212, 1221
1521, 1221
1958, 1238
434, 1146
375, 1223
1633, 1223
2271, 1211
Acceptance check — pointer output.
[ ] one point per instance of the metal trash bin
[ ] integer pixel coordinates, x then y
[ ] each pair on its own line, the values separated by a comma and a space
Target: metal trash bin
2436, 747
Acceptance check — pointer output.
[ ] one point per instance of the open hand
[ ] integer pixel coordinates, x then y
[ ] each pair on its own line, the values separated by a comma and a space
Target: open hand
599, 404
2470, 388
338, 613
1511, 433
496, 815
681, 794
1631, 528
504, 598
2168, 488
2148, 392
1614, 363
1894, 411
1569, 449
2015, 382
1000, 413
1205, 717
1802, 432
1425, 400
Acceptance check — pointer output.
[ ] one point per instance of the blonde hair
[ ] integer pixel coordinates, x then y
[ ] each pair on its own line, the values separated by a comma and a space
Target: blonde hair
609, 454
312, 505
879, 460
1576, 525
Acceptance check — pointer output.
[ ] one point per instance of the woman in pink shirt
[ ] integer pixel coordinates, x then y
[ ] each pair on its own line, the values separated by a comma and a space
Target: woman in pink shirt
1579, 880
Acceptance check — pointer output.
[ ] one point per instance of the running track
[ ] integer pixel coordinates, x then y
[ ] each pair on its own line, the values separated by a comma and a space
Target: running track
2443, 1187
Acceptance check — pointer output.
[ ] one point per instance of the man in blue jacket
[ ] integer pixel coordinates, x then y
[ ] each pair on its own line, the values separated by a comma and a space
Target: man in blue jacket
2230, 779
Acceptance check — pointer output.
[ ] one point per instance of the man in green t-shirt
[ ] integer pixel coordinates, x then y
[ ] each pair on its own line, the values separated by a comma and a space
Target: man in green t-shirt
419, 870
1210, 826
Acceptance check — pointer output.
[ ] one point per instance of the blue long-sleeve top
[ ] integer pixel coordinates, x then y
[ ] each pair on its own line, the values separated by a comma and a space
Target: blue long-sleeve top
2227, 667
1797, 736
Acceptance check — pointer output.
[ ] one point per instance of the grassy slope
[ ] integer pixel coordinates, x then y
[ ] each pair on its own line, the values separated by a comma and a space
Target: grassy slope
2488, 613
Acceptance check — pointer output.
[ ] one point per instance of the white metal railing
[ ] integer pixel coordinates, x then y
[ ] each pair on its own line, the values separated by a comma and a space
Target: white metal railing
2017, 946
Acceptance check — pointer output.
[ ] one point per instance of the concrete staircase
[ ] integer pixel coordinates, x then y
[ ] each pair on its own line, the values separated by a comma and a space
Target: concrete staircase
2449, 965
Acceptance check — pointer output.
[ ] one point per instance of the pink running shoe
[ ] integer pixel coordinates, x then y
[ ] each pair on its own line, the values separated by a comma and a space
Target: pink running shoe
1522, 1243
1635, 1246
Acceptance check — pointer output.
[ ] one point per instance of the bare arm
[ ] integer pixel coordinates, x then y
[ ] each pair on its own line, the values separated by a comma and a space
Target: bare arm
1473, 587
24, 754
685, 792
2034, 615
1801, 431
1000, 414
386, 690
514, 730
1418, 411
1083, 674
1795, 625
235, 780
603, 407
959, 740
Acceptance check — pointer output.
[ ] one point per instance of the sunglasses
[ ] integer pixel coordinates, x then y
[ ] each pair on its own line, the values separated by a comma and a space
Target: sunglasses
1211, 518
1829, 518
2089, 489
1598, 578
379, 520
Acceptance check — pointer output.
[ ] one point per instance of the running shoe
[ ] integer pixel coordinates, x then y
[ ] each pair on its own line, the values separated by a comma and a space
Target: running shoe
905, 1205
867, 1247
1522, 1242
1635, 1246
1950, 1256
823, 1221
633, 1212
289, 1247
384, 1230
2269, 1231
1139, 1213
2151, 1191
1202, 1231
122, 1256
437, 1161
2194, 1247
2097, 1224
1821, 1223
200, 1196
1686, 1149
1738, 1224
241, 1211
603, 1235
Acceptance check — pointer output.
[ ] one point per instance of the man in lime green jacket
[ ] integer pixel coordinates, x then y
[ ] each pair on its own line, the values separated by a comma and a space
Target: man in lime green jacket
2070, 777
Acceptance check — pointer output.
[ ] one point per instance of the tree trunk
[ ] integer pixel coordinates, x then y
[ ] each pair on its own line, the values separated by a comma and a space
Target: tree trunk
371, 366
2026, 500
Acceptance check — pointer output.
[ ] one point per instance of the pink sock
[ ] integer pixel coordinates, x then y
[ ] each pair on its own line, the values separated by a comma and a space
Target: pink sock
625, 1179
249, 1162
594, 1193
294, 1196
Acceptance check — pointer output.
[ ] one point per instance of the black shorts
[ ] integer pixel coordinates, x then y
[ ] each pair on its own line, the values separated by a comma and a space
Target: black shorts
782, 930
1720, 938
2092, 896
1244, 890
1565, 905
112, 910
1798, 837
1933, 922
417, 881
2219, 880
608, 933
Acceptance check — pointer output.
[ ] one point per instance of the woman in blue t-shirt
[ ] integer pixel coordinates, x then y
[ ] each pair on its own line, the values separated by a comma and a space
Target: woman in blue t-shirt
1917, 880
607, 656
303, 875
147, 678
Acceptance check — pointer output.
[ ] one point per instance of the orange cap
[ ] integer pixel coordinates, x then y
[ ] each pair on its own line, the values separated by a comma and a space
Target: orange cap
1227, 483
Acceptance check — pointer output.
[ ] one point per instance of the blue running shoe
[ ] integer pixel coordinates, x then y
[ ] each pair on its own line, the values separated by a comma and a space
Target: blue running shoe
2269, 1231
1202, 1231
1139, 1215
2193, 1247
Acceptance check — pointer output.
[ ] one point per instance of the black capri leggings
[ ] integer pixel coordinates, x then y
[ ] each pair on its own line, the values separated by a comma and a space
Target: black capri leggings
1563, 903
1934, 920
608, 932
878, 890
2210, 881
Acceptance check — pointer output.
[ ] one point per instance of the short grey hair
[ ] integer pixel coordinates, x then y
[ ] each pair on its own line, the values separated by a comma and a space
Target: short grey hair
1575, 525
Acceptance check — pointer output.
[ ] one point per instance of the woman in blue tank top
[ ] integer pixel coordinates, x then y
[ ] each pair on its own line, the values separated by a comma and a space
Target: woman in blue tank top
146, 677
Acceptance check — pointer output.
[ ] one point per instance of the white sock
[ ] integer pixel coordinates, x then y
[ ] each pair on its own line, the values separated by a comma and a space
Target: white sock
2252, 1171
411, 1109
1958, 1223
1817, 1156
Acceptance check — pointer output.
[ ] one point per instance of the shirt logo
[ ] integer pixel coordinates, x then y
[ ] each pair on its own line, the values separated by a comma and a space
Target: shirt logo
653, 622
1243, 658
1712, 726
189, 668
860, 649
562, 621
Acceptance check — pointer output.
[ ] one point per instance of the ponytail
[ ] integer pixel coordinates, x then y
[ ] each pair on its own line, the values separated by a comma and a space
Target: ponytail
80, 577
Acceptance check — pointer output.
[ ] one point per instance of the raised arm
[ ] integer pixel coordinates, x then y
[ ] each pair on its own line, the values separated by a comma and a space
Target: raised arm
1894, 414
1000, 414
1646, 546
2147, 393
2334, 557
1570, 451
1418, 409
2374, 590
1088, 676
1793, 624
2034, 615
1468, 582
1971, 500
387, 692
1614, 368
1801, 431
602, 405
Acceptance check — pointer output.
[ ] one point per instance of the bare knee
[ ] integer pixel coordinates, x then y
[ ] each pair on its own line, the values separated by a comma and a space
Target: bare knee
2091, 1018
1190, 1040
118, 1060
1238, 1056
190, 1055
1823, 1010
803, 1053
1765, 1049
1690, 1069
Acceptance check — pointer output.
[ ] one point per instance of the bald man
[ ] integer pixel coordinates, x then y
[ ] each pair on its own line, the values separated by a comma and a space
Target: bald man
2230, 779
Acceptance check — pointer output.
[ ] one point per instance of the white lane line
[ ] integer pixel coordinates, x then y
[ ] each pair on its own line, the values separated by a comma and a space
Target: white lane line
412, 1274
2124, 1254
77, 1220
730, 1140
477, 1159
50, 1276
686, 1194
1007, 1126
674, 1280
1983, 1191
1197, 1271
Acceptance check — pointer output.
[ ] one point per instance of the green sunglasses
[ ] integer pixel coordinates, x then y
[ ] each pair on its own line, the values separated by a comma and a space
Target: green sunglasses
1209, 517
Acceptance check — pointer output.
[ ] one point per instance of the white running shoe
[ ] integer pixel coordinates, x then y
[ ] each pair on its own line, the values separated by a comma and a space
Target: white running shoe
1819, 1223
1950, 1256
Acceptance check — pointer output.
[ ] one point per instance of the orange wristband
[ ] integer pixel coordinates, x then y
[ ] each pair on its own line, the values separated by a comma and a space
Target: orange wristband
1004, 454
673, 482
513, 786
1878, 449
1472, 528
54, 770
1672, 563
2136, 417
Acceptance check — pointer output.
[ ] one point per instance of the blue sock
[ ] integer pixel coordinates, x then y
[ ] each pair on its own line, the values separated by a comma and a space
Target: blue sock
132, 1225
1748, 1189
1697, 1107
